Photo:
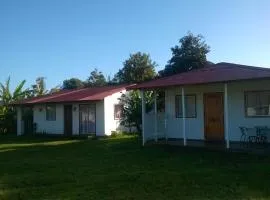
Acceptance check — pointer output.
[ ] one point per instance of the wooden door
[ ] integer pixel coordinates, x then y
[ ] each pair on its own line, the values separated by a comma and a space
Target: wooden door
68, 120
213, 117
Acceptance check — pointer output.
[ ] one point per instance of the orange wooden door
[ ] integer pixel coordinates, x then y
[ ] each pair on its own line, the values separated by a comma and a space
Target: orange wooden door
213, 117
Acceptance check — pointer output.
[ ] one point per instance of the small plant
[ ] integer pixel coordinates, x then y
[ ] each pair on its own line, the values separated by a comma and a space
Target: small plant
114, 134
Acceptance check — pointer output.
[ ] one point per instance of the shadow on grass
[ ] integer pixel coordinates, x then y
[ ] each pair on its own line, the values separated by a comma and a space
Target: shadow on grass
120, 168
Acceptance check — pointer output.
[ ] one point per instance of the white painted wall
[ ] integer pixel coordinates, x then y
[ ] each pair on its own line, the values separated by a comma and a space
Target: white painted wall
57, 127
111, 124
105, 122
100, 118
150, 128
195, 126
75, 119
50, 127
237, 109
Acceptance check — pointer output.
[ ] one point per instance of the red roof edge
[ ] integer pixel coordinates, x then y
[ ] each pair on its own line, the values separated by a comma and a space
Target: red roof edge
75, 95
215, 73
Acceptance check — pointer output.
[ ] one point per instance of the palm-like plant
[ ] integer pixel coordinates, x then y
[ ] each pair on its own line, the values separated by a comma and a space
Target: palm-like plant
7, 113
6, 96
40, 87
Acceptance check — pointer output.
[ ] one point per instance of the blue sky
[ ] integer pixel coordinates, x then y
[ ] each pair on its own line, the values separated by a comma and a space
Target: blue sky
60, 39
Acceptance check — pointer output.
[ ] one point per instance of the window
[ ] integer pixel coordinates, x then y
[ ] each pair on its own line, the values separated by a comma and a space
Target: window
118, 111
50, 112
190, 106
257, 104
87, 119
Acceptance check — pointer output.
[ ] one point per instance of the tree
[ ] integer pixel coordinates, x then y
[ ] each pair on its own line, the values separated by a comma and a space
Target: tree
96, 78
7, 113
132, 111
39, 88
188, 55
55, 89
137, 68
6, 96
72, 83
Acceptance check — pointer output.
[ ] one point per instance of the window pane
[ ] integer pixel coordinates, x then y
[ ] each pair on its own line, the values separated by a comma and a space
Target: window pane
50, 112
190, 106
87, 119
83, 119
251, 102
264, 103
178, 106
257, 103
118, 111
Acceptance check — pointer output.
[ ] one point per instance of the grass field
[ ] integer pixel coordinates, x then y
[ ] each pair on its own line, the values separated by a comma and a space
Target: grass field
119, 168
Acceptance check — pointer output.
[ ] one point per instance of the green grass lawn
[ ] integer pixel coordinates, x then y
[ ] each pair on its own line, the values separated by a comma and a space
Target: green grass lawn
119, 168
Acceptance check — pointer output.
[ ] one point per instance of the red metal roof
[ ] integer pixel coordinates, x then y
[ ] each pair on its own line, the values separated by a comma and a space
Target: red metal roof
221, 72
75, 95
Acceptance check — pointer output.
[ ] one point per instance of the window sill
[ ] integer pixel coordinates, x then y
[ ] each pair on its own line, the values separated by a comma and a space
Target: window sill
258, 116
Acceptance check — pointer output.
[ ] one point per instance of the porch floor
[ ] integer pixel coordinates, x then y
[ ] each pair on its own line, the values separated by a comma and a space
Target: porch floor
234, 146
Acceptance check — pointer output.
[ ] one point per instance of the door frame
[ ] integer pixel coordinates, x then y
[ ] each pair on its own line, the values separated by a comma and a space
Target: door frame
204, 114
65, 132
95, 105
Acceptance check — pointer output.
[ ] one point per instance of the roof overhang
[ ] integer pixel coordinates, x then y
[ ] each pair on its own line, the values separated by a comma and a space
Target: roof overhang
82, 95
192, 84
218, 73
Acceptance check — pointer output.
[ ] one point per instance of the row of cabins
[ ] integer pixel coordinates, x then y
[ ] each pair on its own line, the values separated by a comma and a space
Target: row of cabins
208, 104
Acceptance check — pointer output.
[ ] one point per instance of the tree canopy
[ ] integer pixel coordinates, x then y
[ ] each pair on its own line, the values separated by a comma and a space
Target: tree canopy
6, 96
188, 55
137, 68
72, 83
39, 88
54, 89
96, 78
132, 111
7, 113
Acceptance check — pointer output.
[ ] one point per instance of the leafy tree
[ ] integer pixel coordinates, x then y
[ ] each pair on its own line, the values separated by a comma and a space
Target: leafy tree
132, 111
72, 83
111, 81
6, 96
137, 68
55, 89
188, 55
39, 88
96, 78
7, 113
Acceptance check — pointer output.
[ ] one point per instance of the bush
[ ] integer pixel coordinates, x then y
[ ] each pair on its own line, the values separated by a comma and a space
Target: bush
8, 122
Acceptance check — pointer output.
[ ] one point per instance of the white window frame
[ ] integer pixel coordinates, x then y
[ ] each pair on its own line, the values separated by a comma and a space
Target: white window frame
114, 111
179, 97
50, 117
259, 101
